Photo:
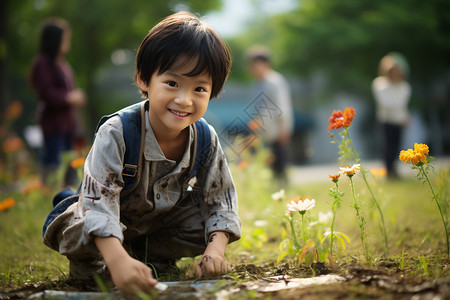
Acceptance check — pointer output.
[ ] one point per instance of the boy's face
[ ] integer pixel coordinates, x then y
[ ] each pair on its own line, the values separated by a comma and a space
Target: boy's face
177, 100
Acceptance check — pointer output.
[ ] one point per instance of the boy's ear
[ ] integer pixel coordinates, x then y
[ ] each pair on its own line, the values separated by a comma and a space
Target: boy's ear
142, 85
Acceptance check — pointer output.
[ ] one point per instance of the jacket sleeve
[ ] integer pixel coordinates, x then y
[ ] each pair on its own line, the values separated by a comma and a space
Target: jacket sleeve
97, 212
219, 192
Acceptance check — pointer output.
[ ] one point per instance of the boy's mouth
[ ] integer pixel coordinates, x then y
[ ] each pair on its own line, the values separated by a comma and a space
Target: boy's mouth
178, 113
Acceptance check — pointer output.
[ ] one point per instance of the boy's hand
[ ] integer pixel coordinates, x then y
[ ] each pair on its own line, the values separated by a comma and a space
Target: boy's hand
213, 261
128, 274
131, 276
211, 265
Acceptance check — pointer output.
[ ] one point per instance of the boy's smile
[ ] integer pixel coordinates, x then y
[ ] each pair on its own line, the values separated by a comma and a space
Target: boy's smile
176, 99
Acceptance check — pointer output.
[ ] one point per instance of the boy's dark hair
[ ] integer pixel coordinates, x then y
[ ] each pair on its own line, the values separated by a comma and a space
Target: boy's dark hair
183, 35
51, 36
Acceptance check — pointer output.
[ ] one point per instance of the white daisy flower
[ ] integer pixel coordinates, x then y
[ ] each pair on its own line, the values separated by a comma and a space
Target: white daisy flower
351, 171
325, 218
278, 196
301, 205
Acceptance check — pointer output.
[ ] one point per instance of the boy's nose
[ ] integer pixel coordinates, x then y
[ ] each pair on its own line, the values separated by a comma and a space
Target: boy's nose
184, 98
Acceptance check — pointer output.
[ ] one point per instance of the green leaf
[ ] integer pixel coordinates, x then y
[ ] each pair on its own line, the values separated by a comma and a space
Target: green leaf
281, 257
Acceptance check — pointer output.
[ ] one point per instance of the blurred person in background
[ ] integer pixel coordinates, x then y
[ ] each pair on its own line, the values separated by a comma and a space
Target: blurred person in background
392, 94
58, 99
274, 104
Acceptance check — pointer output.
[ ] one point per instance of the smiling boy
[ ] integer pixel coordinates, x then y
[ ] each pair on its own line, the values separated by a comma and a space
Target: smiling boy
181, 64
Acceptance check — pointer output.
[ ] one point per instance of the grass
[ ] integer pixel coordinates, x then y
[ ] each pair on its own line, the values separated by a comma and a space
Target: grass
416, 247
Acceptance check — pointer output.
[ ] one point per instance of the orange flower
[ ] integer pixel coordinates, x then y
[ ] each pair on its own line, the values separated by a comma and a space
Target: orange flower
32, 185
13, 110
77, 162
12, 144
341, 119
7, 203
335, 177
243, 165
254, 124
379, 172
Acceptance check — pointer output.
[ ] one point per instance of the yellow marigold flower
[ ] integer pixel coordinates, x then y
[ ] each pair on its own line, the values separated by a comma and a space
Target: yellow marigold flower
351, 171
416, 156
7, 203
77, 162
421, 148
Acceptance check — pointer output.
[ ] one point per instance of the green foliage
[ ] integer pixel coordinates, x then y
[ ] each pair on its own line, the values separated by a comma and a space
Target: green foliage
424, 265
402, 261
347, 154
256, 239
423, 175
362, 223
101, 284
341, 237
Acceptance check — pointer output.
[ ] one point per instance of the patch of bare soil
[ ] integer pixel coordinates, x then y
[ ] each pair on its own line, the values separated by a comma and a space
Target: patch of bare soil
282, 281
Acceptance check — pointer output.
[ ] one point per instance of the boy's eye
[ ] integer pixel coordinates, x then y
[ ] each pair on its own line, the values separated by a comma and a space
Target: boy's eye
171, 83
200, 89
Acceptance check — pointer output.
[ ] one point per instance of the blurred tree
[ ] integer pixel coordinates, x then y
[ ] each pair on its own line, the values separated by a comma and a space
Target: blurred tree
347, 38
4, 84
98, 28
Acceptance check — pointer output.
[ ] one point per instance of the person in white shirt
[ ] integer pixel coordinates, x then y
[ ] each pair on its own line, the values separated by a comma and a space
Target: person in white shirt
392, 94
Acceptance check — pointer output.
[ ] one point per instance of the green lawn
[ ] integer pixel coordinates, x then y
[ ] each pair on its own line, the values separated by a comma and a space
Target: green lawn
415, 230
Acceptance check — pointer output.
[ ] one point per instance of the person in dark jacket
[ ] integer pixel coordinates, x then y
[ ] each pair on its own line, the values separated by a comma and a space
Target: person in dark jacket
58, 98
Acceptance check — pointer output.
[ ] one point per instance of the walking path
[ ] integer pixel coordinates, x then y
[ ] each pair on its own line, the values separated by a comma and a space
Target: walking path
315, 173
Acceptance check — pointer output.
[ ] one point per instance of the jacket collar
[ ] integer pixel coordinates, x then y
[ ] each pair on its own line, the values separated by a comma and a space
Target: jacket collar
153, 152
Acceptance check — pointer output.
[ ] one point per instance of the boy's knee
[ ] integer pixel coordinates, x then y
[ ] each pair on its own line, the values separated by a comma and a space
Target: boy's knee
84, 269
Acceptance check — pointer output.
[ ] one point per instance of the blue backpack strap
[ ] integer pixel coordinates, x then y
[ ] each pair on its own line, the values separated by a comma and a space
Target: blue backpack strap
202, 144
133, 122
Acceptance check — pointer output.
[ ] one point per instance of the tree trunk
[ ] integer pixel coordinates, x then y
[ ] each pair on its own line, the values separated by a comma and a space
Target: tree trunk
4, 78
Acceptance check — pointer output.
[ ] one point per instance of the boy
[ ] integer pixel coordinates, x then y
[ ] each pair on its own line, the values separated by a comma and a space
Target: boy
181, 64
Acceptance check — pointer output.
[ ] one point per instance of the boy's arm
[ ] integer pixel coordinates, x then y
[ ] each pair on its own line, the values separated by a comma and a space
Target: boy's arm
128, 274
213, 260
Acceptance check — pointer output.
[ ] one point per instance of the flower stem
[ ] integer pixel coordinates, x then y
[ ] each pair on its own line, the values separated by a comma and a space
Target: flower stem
439, 207
361, 223
332, 234
294, 236
363, 172
333, 207
303, 229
